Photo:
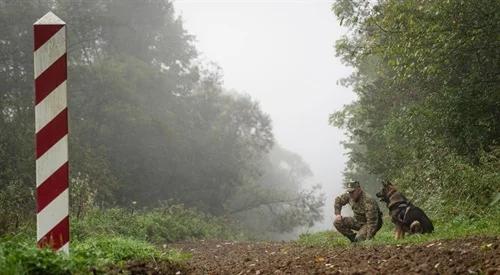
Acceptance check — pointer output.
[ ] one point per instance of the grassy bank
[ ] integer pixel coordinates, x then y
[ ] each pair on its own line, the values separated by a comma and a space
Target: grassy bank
455, 228
109, 240
18, 255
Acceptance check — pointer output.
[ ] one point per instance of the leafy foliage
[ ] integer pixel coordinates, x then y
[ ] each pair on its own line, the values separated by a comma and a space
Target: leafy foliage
426, 76
165, 224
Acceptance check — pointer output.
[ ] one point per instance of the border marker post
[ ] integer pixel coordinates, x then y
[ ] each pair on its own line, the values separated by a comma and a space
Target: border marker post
51, 133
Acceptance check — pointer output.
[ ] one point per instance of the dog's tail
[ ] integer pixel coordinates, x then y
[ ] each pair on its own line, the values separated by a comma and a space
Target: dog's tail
415, 227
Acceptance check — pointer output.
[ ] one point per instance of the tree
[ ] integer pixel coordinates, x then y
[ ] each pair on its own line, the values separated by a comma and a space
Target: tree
278, 201
427, 80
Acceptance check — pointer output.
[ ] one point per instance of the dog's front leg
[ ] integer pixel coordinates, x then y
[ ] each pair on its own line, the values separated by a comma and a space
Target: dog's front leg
397, 232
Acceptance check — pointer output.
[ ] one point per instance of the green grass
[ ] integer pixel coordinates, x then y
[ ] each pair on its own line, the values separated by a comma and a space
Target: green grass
109, 238
18, 255
160, 225
458, 227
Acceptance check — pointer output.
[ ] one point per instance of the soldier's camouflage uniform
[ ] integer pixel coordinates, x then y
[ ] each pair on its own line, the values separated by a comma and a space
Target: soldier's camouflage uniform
367, 218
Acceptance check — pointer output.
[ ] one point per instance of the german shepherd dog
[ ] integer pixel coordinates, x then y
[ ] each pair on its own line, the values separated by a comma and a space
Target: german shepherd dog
407, 217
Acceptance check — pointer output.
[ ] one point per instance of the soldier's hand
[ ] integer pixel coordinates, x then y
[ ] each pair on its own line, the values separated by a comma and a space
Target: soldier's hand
338, 217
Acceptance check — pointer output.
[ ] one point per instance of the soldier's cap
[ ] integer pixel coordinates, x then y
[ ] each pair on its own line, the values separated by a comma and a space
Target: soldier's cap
352, 185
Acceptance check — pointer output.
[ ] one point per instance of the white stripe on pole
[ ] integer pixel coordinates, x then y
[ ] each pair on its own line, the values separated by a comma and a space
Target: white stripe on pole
65, 248
50, 106
49, 52
55, 212
54, 158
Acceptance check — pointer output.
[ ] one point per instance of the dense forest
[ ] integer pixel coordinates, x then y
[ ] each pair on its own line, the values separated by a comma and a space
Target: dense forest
149, 122
427, 117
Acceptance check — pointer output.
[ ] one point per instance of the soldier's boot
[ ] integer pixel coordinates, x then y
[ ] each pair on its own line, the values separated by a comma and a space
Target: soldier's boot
343, 226
360, 237
362, 234
352, 238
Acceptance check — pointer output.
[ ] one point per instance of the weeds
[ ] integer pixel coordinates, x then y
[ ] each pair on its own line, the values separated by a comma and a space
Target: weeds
103, 240
18, 255
165, 224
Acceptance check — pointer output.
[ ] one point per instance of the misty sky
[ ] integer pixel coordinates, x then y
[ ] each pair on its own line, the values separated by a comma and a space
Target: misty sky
281, 52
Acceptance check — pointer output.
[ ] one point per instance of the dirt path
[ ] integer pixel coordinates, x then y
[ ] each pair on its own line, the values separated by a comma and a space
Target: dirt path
478, 255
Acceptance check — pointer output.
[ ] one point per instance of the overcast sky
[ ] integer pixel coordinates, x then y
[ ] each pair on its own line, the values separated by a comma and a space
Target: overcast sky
281, 52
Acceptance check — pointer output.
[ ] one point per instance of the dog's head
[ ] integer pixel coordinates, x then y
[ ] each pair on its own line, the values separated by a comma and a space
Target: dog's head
385, 193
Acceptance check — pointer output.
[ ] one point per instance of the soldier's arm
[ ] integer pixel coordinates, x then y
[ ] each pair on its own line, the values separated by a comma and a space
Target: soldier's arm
340, 201
371, 218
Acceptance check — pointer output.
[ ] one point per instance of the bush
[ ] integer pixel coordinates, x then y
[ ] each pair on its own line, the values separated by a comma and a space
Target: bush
446, 184
16, 207
167, 223
24, 258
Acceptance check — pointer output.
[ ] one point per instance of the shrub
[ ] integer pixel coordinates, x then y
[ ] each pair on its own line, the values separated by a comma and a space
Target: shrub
167, 223
16, 207
447, 184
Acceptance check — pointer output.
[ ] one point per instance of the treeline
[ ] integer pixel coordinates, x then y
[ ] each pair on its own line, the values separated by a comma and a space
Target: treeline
427, 78
148, 121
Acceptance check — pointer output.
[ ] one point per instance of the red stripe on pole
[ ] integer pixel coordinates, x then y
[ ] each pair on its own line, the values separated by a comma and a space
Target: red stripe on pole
52, 187
43, 33
57, 236
50, 79
52, 133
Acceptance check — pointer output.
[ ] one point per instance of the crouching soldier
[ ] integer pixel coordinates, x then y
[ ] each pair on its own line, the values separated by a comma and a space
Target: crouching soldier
367, 218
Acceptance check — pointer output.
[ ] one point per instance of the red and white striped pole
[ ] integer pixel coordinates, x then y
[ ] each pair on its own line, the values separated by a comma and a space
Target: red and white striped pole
51, 128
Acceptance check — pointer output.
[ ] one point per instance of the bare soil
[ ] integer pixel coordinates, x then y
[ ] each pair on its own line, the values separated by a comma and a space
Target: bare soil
478, 255
475, 255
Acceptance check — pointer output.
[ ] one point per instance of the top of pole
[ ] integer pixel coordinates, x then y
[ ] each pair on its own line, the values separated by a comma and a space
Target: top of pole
49, 19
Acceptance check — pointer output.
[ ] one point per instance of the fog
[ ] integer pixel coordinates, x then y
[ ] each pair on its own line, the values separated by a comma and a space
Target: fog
282, 54
155, 124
